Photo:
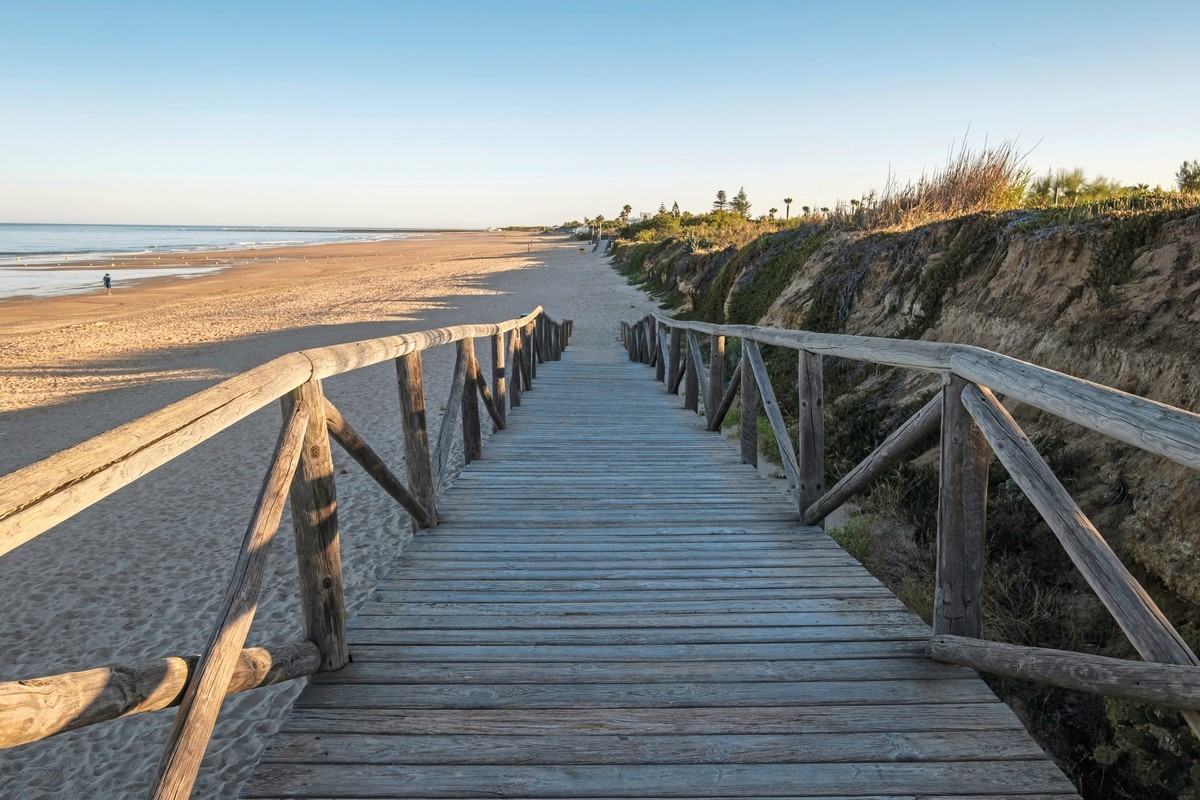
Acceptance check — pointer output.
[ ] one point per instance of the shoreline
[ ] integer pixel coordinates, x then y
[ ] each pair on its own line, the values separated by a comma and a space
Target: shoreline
141, 573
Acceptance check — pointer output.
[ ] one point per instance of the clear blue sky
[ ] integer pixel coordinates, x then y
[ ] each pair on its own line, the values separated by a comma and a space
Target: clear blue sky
493, 113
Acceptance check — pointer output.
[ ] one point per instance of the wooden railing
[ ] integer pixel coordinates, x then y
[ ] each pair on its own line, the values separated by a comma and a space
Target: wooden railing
34, 499
973, 425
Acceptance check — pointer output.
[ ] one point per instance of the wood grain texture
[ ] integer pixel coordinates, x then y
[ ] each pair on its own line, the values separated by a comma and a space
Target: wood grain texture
500, 376
1155, 427
38, 497
770, 407
634, 613
450, 418
38, 708
203, 696
1142, 682
810, 432
411, 384
715, 385
696, 360
315, 525
962, 511
673, 356
1140, 618
356, 447
882, 458
471, 433
336, 359
748, 395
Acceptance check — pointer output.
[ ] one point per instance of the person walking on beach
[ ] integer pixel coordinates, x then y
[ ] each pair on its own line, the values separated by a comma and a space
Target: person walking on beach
107, 283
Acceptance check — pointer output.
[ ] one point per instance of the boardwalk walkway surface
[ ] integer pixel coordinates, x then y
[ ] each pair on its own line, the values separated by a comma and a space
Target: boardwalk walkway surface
613, 606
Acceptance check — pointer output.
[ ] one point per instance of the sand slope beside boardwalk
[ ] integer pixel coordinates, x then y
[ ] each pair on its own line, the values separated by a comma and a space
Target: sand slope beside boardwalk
142, 573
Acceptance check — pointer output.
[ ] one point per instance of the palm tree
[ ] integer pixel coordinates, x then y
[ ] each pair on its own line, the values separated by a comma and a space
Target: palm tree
771, 212
787, 203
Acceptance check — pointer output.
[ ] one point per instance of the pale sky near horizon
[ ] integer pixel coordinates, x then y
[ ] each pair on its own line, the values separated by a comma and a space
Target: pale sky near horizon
497, 113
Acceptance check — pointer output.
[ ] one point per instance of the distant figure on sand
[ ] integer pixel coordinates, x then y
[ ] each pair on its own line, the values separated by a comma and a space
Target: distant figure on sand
107, 283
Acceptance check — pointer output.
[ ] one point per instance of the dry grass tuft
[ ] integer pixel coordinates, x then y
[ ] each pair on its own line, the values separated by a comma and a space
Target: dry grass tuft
970, 182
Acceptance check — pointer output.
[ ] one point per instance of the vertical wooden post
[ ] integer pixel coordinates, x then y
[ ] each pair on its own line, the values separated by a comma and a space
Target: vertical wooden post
691, 381
514, 360
673, 361
534, 348
749, 396
647, 341
716, 378
472, 436
962, 506
660, 367
411, 382
499, 377
314, 521
810, 438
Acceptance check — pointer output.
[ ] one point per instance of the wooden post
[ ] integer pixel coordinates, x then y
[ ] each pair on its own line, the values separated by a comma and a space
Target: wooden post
411, 383
202, 698
472, 436
749, 409
647, 341
660, 368
499, 377
962, 506
716, 379
314, 521
673, 361
691, 380
514, 360
534, 354
810, 438
357, 448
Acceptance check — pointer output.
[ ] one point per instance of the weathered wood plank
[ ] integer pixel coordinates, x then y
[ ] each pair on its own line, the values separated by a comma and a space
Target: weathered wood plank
962, 511
1143, 682
357, 448
881, 459
715, 386
1139, 617
552, 722
313, 499
730, 695
37, 708
203, 695
771, 408
810, 433
718, 780
410, 381
673, 356
831, 748
450, 417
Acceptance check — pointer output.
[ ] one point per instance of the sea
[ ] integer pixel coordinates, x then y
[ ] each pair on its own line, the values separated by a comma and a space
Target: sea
35, 259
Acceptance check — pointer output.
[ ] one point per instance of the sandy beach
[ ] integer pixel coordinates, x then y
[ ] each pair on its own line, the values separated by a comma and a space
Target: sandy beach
142, 573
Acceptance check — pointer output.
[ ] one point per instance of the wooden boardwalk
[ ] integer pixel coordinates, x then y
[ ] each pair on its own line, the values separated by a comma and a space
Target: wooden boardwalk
613, 606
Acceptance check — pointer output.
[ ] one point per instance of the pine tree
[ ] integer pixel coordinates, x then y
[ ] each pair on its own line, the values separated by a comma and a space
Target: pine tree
740, 204
721, 203
1188, 176
675, 209
662, 208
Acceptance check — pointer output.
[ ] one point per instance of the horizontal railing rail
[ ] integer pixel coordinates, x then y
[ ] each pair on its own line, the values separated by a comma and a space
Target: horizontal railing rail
972, 425
37, 497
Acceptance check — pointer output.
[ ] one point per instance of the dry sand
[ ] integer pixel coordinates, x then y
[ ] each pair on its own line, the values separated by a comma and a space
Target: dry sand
142, 573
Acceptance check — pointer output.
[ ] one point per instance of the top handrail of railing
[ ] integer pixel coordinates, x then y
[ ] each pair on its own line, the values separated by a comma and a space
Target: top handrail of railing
36, 497
1147, 424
